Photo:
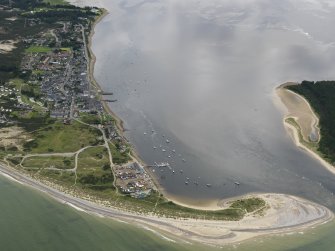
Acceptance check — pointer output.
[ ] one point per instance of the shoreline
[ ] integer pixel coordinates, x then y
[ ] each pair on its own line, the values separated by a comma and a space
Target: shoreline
279, 214
230, 237
119, 122
294, 132
282, 214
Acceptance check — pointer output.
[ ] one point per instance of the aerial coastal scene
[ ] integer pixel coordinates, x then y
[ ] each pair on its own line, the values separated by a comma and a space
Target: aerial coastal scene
118, 118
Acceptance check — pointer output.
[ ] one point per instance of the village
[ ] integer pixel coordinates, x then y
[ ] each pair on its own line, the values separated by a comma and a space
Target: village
54, 85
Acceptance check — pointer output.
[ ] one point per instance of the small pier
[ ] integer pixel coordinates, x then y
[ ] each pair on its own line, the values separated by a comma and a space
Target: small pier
109, 100
105, 93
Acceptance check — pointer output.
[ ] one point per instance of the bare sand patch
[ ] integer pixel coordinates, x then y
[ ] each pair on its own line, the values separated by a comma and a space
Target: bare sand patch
298, 108
7, 46
11, 18
283, 213
13, 137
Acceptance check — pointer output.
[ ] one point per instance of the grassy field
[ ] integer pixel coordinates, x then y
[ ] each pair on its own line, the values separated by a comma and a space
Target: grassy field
91, 119
55, 2
60, 138
118, 157
38, 49
65, 49
250, 205
94, 170
52, 161
93, 159
66, 179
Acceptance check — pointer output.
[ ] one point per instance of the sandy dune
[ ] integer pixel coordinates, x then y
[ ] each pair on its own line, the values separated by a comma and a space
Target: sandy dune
298, 108
7, 46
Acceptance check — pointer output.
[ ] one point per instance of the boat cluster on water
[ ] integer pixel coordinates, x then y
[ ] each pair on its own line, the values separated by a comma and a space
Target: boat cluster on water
166, 165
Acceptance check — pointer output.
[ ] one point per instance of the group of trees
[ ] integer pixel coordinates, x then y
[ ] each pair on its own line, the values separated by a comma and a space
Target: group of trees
321, 96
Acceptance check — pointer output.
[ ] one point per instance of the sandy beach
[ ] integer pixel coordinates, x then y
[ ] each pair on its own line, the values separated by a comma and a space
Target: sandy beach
297, 107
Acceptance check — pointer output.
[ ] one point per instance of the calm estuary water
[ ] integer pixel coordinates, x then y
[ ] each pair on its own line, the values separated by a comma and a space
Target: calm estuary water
194, 80
201, 74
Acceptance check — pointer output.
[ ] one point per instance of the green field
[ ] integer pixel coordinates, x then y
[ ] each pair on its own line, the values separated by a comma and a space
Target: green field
93, 159
94, 169
249, 205
65, 49
92, 119
60, 138
55, 2
38, 49
51, 161
118, 157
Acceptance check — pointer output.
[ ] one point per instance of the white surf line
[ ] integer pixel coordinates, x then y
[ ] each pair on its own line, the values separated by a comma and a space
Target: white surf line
158, 234
10, 178
75, 207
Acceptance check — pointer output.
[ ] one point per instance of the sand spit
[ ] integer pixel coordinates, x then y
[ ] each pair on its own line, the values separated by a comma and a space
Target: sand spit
282, 213
286, 99
299, 109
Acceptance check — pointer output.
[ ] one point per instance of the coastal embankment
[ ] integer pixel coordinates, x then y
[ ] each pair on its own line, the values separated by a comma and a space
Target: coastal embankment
282, 213
300, 121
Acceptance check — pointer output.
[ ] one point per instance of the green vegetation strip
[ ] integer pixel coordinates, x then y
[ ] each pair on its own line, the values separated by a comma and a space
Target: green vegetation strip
56, 2
38, 49
118, 156
60, 138
94, 170
47, 162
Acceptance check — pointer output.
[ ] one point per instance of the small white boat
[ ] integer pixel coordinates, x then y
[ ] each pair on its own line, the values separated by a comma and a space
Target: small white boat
169, 156
208, 185
167, 141
237, 183
163, 150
